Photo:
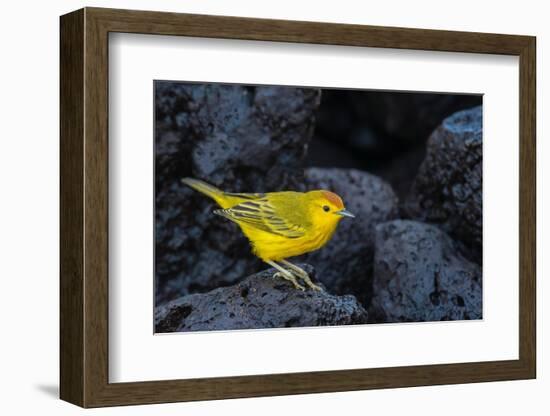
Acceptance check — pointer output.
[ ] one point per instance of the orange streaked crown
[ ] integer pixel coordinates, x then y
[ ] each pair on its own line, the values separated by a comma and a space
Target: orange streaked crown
334, 199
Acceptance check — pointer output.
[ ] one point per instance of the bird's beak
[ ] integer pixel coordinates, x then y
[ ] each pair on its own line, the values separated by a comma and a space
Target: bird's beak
345, 213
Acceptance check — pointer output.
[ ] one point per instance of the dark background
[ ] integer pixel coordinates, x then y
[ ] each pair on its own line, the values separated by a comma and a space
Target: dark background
381, 132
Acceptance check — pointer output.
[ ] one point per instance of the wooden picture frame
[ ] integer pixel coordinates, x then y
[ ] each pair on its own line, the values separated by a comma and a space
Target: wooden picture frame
84, 207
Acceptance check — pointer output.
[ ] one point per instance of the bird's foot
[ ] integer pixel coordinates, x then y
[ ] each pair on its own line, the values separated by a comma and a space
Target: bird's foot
305, 277
302, 274
314, 286
291, 278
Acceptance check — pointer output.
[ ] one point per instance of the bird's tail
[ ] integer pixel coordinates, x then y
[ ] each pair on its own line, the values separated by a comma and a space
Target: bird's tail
216, 194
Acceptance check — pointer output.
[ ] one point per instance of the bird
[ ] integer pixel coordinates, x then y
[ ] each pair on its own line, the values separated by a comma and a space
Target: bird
280, 225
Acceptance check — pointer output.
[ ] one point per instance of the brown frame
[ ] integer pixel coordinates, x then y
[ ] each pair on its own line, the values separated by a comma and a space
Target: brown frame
84, 213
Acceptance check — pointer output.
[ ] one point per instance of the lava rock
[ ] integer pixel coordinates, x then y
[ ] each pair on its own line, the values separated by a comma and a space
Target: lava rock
345, 263
258, 301
242, 139
448, 188
419, 276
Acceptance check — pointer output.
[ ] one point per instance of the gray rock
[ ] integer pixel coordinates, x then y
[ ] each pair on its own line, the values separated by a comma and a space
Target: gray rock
448, 188
258, 301
345, 263
242, 139
419, 276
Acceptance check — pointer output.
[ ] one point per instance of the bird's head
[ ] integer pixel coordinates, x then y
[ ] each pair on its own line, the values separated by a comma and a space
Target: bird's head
327, 207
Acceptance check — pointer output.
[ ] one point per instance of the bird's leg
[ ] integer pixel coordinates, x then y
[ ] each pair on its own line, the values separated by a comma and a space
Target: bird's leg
285, 274
301, 273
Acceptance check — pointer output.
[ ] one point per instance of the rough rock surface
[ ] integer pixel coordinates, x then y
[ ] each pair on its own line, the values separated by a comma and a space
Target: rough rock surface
345, 263
448, 188
242, 139
259, 301
419, 276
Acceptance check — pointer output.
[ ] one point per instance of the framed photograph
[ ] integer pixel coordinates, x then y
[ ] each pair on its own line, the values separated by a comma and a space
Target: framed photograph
260, 207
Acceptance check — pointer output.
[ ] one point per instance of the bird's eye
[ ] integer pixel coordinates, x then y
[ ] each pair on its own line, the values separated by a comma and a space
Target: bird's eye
326, 208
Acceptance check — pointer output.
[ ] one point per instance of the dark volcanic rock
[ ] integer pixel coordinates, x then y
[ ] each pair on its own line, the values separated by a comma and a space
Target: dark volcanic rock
448, 188
345, 263
259, 301
242, 139
419, 276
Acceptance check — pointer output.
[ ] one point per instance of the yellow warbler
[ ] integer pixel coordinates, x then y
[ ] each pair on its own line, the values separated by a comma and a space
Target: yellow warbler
280, 224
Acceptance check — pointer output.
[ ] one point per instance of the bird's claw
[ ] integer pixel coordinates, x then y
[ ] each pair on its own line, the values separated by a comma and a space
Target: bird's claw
297, 285
293, 281
308, 282
315, 287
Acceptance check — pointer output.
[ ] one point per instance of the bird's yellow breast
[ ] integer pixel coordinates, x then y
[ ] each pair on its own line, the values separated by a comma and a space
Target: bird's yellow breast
274, 247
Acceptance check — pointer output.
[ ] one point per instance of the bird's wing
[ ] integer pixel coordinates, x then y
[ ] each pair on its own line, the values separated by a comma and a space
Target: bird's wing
245, 196
261, 214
